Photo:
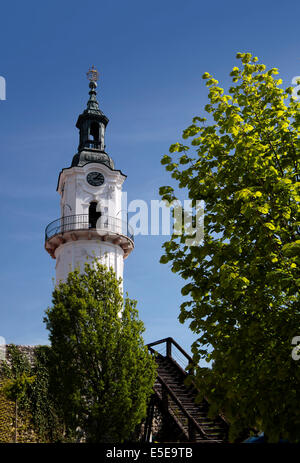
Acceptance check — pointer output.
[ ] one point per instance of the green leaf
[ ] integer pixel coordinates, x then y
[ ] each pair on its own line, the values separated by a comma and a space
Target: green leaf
241, 282
270, 226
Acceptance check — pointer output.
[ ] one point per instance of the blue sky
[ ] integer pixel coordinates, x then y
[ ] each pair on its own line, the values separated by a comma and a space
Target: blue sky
151, 56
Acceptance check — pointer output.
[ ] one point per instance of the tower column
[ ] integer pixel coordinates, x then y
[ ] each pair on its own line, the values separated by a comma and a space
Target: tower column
90, 198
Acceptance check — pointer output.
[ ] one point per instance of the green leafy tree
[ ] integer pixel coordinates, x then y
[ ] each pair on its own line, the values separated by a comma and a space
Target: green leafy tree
28, 384
104, 373
16, 389
18, 381
45, 410
243, 281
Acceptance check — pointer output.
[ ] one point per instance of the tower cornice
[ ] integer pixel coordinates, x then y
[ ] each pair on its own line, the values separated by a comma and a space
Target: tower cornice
85, 167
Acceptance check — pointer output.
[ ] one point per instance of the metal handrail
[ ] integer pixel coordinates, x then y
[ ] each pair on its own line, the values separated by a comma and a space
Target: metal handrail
83, 222
92, 144
169, 341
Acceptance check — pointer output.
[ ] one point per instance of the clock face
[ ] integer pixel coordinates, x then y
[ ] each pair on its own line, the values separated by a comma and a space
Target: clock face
95, 178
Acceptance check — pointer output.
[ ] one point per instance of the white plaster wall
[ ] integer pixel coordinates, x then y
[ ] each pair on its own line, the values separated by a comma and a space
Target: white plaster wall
74, 254
76, 195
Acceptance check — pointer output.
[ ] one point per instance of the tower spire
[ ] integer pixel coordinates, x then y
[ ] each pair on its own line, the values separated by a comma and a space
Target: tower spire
92, 124
92, 104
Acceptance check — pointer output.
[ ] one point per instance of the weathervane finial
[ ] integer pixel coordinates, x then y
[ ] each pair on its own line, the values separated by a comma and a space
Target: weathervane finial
92, 74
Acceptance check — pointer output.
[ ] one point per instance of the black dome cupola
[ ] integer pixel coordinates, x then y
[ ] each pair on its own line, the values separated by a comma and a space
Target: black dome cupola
92, 124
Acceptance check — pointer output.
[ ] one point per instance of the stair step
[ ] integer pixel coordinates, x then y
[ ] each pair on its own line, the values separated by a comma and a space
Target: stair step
186, 395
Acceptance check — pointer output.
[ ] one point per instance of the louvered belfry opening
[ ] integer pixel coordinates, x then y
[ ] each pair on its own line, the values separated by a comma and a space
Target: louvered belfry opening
94, 131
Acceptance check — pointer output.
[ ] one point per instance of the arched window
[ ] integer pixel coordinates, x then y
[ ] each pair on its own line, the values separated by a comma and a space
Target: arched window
93, 214
94, 131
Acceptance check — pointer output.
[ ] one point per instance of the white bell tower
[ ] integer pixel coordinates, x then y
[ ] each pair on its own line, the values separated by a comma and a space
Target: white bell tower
90, 225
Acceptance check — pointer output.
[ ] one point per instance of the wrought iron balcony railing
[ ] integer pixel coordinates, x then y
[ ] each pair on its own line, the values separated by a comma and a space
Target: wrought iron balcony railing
85, 222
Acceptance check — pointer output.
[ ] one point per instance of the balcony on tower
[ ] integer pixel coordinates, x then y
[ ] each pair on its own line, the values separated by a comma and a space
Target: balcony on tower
87, 227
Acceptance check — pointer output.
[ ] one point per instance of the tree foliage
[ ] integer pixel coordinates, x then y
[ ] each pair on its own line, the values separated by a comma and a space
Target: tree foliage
28, 384
17, 378
104, 373
243, 282
45, 409
16, 389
